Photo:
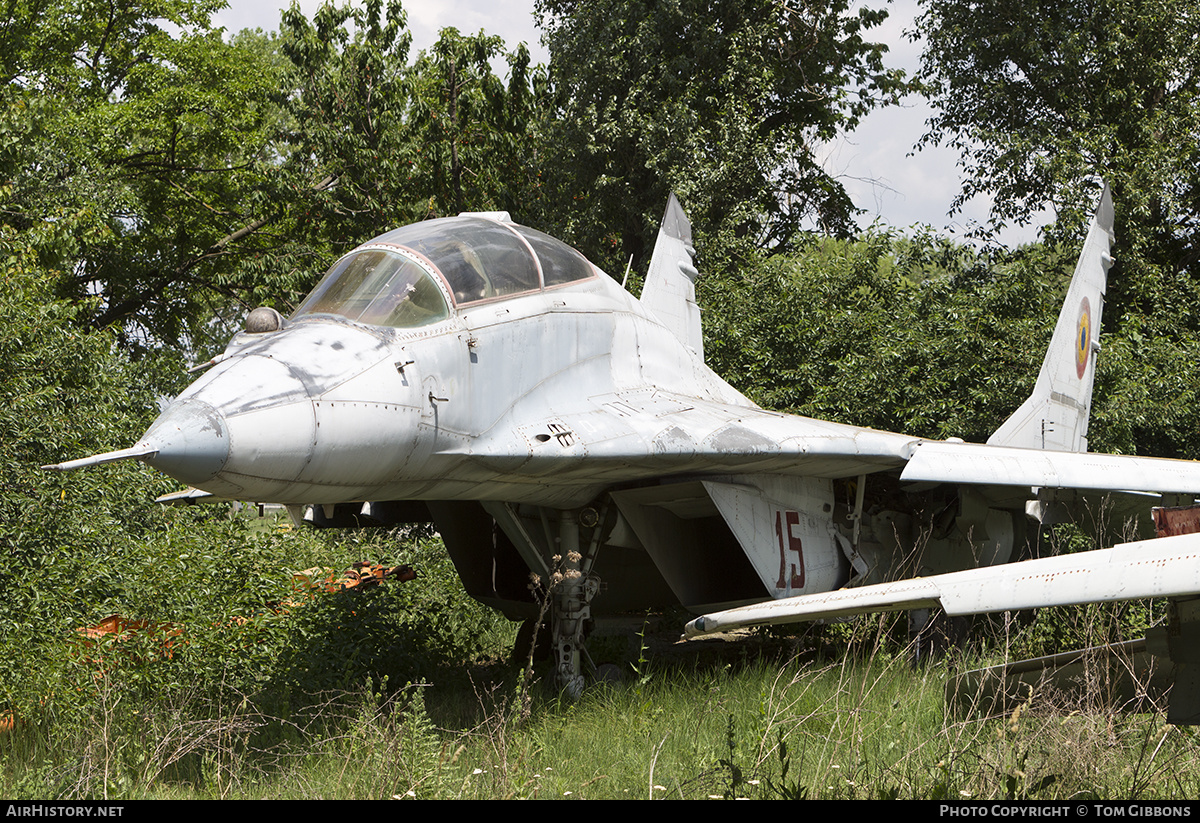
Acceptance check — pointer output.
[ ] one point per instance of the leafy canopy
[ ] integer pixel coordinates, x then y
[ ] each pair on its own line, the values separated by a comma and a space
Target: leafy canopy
227, 172
1045, 98
161, 137
721, 101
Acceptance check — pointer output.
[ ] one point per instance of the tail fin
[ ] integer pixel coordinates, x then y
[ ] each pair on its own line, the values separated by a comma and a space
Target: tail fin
670, 289
1055, 416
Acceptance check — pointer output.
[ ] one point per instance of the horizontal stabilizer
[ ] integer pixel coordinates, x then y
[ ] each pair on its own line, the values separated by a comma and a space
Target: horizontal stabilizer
100, 459
1163, 567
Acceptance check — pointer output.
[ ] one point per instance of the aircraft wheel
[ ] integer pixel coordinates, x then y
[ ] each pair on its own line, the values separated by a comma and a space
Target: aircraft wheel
933, 634
608, 673
526, 635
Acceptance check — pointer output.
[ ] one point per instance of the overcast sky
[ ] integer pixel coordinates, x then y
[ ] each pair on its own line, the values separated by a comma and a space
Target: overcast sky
876, 163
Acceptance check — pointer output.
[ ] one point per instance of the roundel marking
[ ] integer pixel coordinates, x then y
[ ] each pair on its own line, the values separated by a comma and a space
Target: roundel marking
1083, 338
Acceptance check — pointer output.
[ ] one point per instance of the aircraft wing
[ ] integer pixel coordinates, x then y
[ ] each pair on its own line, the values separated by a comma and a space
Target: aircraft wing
975, 463
1163, 567
634, 435
642, 434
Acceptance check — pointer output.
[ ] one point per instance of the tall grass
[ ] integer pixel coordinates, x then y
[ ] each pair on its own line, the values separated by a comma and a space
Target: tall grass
404, 692
863, 725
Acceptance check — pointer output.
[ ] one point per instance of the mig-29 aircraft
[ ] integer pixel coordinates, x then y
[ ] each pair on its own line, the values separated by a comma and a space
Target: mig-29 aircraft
486, 377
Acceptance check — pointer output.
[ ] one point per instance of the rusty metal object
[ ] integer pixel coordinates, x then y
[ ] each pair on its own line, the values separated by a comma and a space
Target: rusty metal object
112, 626
362, 574
116, 629
1172, 520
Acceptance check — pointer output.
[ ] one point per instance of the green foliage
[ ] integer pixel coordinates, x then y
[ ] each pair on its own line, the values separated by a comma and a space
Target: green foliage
916, 335
348, 157
399, 632
358, 141
377, 143
720, 102
232, 652
1145, 389
1043, 99
474, 135
160, 139
63, 391
216, 174
928, 337
388, 747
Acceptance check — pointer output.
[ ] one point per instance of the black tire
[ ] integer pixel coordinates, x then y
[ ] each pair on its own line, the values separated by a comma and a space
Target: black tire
525, 641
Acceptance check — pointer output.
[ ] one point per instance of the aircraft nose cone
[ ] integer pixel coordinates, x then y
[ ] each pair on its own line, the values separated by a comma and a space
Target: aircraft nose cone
192, 439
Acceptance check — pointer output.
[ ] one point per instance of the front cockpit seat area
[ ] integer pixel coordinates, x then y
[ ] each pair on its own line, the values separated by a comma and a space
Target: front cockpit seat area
411, 276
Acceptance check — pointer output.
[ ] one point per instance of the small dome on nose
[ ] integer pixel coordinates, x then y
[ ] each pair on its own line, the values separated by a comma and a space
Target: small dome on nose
263, 319
192, 442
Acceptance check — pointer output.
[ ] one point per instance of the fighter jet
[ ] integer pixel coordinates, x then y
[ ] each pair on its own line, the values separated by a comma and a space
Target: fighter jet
487, 377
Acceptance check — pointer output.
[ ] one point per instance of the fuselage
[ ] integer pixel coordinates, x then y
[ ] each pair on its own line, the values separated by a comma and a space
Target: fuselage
459, 404
487, 378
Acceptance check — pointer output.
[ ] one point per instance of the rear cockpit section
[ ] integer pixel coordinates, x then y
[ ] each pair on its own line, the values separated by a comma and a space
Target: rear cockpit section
409, 277
487, 259
479, 259
560, 263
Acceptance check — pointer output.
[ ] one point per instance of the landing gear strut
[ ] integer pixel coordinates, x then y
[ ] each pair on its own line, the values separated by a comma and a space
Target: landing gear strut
572, 587
562, 566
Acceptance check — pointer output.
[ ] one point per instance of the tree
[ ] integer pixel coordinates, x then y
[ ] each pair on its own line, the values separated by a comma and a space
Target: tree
722, 101
161, 138
229, 173
375, 143
400, 143
347, 153
923, 336
917, 335
1046, 98
64, 390
476, 135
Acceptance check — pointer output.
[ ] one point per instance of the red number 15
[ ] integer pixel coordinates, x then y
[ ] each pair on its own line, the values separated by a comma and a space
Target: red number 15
783, 527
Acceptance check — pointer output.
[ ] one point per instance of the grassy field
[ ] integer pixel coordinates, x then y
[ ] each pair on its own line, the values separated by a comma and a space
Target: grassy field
405, 690
750, 722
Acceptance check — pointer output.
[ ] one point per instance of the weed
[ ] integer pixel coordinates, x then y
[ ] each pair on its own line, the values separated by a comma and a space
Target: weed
640, 666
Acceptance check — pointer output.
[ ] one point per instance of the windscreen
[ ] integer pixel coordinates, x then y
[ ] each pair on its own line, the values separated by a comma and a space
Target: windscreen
380, 286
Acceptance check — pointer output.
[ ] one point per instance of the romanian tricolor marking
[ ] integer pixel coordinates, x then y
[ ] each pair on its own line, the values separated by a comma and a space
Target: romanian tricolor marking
1083, 338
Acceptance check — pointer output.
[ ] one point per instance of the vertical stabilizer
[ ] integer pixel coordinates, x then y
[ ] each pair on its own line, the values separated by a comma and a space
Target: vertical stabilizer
1056, 415
670, 289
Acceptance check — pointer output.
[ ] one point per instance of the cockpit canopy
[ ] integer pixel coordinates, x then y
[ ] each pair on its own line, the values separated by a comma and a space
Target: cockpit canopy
405, 277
